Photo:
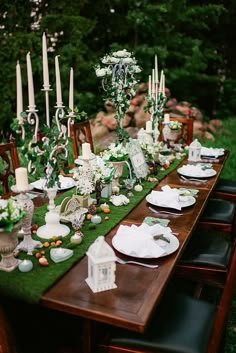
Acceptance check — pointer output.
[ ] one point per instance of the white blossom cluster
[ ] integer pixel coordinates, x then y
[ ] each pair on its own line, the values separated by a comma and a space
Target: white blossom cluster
151, 149
175, 125
115, 152
118, 79
10, 213
86, 179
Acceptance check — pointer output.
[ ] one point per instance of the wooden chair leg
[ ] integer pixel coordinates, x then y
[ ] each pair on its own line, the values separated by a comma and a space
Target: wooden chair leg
7, 342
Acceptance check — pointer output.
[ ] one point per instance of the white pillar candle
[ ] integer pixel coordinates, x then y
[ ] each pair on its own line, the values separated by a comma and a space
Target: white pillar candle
148, 126
166, 118
21, 179
86, 150
58, 82
30, 82
45, 62
71, 91
19, 97
156, 69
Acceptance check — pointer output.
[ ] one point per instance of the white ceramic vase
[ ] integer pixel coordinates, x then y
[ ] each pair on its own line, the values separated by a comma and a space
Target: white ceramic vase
118, 173
8, 243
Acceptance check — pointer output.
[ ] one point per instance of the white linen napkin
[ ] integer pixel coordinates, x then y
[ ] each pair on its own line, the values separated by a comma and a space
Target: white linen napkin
166, 198
195, 170
212, 152
138, 241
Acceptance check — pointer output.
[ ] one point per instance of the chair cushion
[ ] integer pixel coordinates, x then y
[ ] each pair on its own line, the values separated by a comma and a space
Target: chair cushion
181, 324
227, 186
208, 248
218, 210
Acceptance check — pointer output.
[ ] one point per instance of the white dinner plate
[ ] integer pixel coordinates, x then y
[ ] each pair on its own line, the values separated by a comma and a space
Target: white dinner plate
207, 173
168, 247
190, 200
212, 152
66, 183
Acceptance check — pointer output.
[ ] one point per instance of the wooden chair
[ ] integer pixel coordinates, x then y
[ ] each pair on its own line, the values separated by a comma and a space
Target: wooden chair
186, 132
181, 324
80, 132
9, 162
7, 341
219, 214
225, 189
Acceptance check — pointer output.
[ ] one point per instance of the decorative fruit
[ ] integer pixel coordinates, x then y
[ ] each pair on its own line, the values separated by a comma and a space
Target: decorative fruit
46, 244
106, 218
38, 255
88, 216
58, 242
106, 210
43, 261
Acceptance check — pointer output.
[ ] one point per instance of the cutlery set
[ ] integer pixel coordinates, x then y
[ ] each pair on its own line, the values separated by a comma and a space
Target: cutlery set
193, 179
123, 262
167, 212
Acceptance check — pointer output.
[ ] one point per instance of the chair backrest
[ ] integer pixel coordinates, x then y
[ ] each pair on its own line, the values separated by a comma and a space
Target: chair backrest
9, 162
186, 134
80, 132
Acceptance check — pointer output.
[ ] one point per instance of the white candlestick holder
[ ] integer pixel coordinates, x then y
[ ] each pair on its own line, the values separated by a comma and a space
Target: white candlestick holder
27, 244
52, 224
46, 89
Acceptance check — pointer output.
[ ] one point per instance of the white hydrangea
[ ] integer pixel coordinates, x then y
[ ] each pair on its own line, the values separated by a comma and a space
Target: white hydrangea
122, 53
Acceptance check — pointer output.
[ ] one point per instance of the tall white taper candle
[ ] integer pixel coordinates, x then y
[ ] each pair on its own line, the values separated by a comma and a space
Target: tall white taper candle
19, 97
45, 62
30, 81
58, 82
71, 90
156, 69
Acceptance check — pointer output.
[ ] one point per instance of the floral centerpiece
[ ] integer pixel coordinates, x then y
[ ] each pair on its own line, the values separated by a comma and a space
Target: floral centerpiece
115, 152
175, 125
86, 180
151, 151
11, 212
118, 71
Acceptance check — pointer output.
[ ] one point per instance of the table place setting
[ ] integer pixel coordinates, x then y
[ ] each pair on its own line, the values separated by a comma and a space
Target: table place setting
171, 198
145, 241
198, 170
211, 152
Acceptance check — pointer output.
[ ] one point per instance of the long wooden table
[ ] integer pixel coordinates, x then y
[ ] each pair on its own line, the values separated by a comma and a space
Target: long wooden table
139, 289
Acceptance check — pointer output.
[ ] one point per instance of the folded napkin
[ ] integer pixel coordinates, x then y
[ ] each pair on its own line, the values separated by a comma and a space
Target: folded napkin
195, 170
168, 197
212, 152
138, 241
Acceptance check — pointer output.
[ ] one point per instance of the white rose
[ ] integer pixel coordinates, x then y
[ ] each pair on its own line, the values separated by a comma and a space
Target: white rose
101, 72
122, 53
137, 69
114, 60
128, 61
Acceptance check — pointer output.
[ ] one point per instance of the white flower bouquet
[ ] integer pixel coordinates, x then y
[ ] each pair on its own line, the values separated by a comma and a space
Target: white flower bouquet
86, 180
11, 212
115, 152
117, 71
175, 125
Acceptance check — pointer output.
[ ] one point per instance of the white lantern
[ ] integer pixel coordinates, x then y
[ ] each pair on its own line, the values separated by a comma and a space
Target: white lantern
101, 266
194, 152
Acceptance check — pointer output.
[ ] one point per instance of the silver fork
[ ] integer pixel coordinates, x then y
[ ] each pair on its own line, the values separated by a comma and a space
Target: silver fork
167, 212
193, 179
121, 261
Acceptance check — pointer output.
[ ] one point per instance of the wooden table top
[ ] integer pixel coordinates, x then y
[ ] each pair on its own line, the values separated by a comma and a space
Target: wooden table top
139, 289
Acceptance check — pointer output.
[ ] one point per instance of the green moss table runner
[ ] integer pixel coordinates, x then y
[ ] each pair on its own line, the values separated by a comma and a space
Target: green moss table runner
29, 286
